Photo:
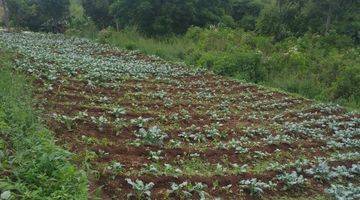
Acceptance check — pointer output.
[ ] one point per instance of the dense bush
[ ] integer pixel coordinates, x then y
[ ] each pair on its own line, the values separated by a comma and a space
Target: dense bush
242, 65
321, 67
347, 85
226, 52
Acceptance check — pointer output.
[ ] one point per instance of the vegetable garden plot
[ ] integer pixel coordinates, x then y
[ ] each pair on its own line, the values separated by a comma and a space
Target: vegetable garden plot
145, 128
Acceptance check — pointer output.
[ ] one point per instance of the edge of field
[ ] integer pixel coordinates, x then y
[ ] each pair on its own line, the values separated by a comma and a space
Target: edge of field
32, 166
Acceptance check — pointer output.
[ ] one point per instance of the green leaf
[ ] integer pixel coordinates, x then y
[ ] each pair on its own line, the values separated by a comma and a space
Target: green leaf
5, 195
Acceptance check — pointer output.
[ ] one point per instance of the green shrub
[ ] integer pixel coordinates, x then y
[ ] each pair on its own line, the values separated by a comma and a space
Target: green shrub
314, 66
242, 65
347, 85
227, 52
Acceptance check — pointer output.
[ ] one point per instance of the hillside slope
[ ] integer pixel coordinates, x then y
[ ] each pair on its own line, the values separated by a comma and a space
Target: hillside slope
186, 134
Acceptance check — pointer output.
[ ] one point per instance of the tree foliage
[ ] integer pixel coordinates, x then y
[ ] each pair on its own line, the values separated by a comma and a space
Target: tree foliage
39, 15
279, 18
294, 18
159, 17
98, 11
246, 12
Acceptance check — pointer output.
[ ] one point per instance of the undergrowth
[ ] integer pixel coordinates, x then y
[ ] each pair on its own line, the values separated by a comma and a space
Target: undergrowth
31, 165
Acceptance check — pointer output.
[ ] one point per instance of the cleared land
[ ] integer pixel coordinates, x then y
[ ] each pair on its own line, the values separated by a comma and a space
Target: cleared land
185, 133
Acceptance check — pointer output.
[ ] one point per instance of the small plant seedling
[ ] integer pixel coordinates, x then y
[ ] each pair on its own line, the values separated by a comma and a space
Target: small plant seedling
141, 190
118, 111
152, 136
101, 122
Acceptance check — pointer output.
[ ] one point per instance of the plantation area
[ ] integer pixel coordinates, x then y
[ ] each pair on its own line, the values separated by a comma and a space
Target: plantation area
142, 127
324, 68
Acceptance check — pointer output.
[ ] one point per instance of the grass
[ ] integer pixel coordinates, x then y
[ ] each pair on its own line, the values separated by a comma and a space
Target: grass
170, 48
31, 165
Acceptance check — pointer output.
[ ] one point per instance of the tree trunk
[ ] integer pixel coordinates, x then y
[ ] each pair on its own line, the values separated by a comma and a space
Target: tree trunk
6, 14
328, 21
117, 25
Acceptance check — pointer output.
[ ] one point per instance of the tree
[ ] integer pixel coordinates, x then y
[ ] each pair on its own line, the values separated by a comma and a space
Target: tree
39, 15
296, 17
3, 3
245, 12
160, 17
53, 14
323, 15
99, 12
272, 21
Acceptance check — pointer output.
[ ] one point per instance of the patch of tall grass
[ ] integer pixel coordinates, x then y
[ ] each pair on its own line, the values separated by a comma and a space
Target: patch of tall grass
170, 48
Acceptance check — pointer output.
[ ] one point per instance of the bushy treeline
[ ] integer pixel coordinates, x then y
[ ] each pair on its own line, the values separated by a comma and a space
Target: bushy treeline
38, 15
280, 18
296, 17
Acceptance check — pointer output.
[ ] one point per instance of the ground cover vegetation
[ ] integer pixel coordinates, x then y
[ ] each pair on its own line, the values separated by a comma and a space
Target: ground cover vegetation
31, 165
146, 128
